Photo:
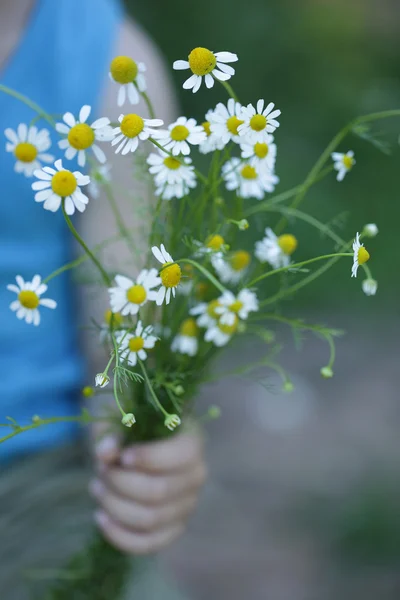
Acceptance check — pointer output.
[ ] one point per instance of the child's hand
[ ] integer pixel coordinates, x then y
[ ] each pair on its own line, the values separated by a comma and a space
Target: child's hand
146, 492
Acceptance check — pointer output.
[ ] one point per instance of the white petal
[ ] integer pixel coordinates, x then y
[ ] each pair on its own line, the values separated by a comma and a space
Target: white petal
226, 69
99, 154
11, 135
69, 119
191, 82
209, 79
53, 203
226, 57
22, 131
121, 95
168, 296
100, 123
69, 206
133, 95
62, 128
70, 153
63, 144
81, 158
43, 195
221, 76
179, 65
84, 113
160, 296
197, 85
41, 185
36, 317
48, 302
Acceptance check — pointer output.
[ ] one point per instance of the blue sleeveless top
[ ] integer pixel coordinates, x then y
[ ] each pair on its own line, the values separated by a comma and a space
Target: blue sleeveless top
61, 63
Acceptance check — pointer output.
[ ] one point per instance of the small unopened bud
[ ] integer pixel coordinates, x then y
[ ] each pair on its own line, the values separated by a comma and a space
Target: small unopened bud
214, 412
267, 335
128, 419
87, 391
179, 390
101, 380
35, 419
172, 421
241, 327
370, 230
288, 386
243, 225
369, 286
219, 201
326, 372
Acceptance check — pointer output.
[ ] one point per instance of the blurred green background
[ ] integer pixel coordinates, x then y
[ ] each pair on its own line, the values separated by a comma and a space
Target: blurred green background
323, 63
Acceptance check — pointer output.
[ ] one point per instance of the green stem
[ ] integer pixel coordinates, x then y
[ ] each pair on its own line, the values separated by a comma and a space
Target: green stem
35, 107
204, 271
123, 413
78, 238
149, 105
84, 419
151, 390
229, 89
297, 266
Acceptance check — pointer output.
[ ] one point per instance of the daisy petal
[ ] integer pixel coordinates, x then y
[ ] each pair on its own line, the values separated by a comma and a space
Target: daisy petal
84, 113
179, 65
69, 119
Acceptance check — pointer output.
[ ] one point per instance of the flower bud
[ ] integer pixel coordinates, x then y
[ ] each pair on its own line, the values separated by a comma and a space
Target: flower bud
369, 286
326, 372
179, 390
370, 230
219, 201
214, 412
101, 380
288, 386
35, 419
172, 421
128, 419
87, 391
243, 225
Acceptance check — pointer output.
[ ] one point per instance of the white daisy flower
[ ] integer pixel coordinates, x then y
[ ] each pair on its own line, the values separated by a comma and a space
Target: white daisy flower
370, 230
132, 129
81, 136
220, 333
215, 244
98, 177
207, 64
28, 299
369, 286
232, 268
361, 255
134, 345
180, 134
129, 75
29, 146
247, 180
342, 163
129, 296
173, 178
258, 122
260, 154
186, 341
225, 120
231, 306
57, 184
172, 422
211, 143
206, 313
170, 275
275, 250
101, 380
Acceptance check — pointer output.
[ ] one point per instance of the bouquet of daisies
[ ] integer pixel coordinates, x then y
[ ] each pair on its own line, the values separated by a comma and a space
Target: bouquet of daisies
201, 288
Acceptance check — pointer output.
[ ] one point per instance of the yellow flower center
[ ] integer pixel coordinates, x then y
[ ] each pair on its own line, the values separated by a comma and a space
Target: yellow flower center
348, 161
287, 243
201, 61
236, 306
363, 255
207, 128
172, 163
261, 150
28, 299
170, 275
131, 125
26, 152
233, 124
258, 122
136, 344
215, 242
64, 183
189, 328
211, 309
81, 136
123, 69
136, 294
117, 318
240, 260
179, 133
249, 172
229, 329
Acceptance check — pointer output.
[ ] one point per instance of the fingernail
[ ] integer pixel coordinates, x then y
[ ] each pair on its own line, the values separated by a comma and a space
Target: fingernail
101, 518
128, 457
96, 488
108, 445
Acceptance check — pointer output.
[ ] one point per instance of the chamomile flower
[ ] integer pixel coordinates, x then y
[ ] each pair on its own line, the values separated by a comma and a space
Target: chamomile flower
129, 296
81, 136
260, 154
206, 313
98, 177
343, 163
204, 63
258, 122
369, 286
361, 255
134, 345
225, 120
180, 135
170, 275
220, 333
248, 181
214, 244
173, 178
101, 380
28, 299
231, 306
211, 142
186, 341
231, 268
57, 184
129, 75
275, 250
133, 128
29, 146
